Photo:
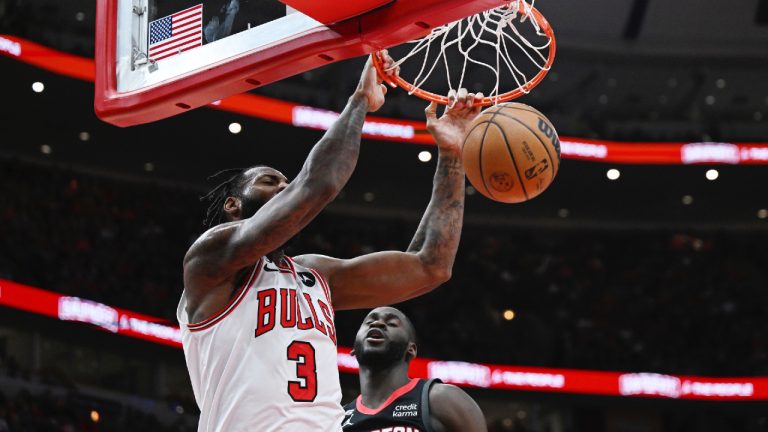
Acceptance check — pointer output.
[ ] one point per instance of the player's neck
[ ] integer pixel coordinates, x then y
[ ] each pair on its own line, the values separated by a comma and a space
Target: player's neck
276, 256
377, 385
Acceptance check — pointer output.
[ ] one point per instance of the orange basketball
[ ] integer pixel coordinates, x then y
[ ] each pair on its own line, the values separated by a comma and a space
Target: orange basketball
511, 153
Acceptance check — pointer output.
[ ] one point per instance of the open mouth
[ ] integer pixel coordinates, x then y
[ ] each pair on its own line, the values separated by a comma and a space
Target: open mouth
375, 336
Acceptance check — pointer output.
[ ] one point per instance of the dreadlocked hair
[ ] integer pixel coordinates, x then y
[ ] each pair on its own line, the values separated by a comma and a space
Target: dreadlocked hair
215, 215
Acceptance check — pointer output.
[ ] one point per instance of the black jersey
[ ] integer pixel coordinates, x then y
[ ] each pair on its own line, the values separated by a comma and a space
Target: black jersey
405, 410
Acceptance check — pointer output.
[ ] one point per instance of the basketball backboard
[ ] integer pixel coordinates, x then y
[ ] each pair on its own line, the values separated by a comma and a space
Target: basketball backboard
156, 59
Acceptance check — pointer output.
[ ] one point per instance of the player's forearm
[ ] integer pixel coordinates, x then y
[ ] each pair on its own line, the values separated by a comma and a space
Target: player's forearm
437, 238
332, 160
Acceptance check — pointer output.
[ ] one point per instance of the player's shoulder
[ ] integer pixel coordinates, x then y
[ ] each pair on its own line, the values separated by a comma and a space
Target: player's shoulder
441, 393
447, 400
212, 239
453, 409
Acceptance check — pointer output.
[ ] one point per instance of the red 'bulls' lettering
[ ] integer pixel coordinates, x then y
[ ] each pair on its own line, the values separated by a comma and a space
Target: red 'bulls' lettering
290, 306
303, 324
318, 324
287, 307
267, 300
327, 314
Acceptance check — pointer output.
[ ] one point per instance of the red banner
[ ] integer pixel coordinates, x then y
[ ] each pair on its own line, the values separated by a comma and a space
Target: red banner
107, 318
502, 377
381, 128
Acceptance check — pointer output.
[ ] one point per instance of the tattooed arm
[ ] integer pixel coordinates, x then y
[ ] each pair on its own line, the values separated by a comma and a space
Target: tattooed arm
392, 276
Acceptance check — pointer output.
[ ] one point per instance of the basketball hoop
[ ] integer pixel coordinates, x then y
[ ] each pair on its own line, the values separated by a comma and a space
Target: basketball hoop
513, 44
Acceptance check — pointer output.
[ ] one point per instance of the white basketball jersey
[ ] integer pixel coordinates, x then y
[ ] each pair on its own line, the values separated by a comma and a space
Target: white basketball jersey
267, 361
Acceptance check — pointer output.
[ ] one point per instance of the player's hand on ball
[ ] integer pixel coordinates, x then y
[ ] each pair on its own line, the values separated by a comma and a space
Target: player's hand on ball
450, 129
371, 83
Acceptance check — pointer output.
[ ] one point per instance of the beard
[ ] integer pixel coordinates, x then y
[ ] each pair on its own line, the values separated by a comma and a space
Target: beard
249, 206
375, 359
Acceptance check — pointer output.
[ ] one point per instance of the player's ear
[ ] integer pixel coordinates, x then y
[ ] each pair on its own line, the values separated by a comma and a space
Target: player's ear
233, 206
411, 352
352, 353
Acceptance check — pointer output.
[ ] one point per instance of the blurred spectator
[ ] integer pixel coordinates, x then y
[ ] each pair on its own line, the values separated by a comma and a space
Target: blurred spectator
46, 412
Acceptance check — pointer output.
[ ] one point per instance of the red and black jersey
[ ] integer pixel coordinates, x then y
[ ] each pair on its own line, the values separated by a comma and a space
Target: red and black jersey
405, 410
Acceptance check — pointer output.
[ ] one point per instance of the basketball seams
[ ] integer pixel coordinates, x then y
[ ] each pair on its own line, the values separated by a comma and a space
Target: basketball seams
549, 155
514, 161
540, 142
480, 152
503, 107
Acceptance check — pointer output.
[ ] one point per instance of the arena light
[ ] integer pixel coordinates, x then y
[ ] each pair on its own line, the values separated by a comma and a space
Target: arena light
38, 87
45, 149
235, 128
762, 213
95, 417
563, 213
369, 197
687, 200
509, 314
84, 136
613, 174
712, 174
425, 156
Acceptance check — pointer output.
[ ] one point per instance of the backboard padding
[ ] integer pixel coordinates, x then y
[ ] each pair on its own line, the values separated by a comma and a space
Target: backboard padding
339, 11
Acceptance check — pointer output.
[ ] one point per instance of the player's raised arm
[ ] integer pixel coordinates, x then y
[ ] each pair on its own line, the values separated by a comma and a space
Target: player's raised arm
454, 411
260, 211
391, 277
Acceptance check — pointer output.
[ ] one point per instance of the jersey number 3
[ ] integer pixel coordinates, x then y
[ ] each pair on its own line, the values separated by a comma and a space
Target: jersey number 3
303, 353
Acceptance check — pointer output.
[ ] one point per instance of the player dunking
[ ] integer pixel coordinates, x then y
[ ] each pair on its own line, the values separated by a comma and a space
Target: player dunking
389, 401
258, 326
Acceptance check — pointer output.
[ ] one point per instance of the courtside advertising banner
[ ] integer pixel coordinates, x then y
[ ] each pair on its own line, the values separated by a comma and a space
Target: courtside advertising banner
502, 377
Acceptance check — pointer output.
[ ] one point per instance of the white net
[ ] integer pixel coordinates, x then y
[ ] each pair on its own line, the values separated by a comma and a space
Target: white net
512, 46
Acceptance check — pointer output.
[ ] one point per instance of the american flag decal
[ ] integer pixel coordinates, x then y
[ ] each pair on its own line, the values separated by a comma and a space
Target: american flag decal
176, 33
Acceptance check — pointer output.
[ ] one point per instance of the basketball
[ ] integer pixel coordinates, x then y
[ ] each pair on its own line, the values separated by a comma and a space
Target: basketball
511, 153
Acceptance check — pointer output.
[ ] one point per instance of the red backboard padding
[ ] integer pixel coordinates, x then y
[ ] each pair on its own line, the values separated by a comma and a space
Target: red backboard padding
332, 12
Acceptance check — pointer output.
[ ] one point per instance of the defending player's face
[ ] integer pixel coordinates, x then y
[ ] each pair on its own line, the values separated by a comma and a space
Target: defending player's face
262, 184
384, 338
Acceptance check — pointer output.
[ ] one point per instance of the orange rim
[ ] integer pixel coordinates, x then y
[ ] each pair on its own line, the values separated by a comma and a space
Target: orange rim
486, 101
